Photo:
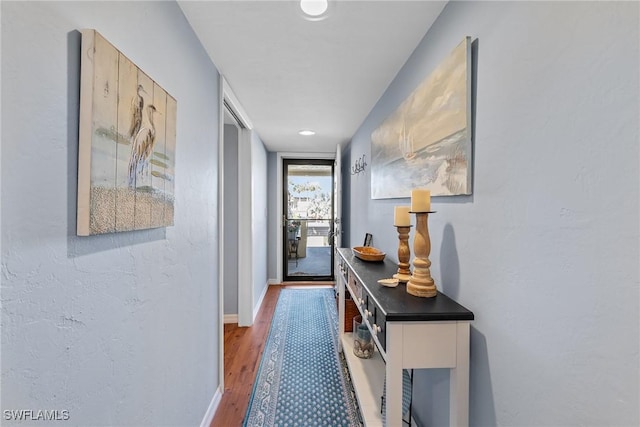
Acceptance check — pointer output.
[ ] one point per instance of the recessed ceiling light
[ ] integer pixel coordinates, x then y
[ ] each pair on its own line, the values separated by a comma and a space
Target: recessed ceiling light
307, 132
314, 8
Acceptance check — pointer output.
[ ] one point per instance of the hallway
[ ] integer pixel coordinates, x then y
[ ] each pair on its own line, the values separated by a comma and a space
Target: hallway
128, 328
243, 349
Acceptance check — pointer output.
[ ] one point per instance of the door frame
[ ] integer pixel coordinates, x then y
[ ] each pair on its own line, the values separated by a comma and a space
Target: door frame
337, 203
245, 274
279, 200
284, 189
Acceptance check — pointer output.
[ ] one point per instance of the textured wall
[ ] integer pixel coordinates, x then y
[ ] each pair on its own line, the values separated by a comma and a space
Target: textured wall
260, 214
230, 219
545, 252
118, 329
272, 216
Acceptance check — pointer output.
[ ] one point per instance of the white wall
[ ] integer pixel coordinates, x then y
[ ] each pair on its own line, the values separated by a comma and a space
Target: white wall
118, 329
260, 214
231, 219
545, 252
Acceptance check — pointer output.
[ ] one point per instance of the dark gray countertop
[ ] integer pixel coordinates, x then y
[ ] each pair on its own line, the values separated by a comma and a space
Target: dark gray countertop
396, 303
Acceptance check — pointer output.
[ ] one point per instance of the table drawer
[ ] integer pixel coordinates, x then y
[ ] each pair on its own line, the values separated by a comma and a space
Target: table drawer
376, 319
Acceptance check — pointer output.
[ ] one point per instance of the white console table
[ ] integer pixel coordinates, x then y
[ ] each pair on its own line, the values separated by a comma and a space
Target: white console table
409, 333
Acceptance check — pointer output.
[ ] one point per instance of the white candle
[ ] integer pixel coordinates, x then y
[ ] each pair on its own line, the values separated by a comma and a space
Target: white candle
420, 200
401, 216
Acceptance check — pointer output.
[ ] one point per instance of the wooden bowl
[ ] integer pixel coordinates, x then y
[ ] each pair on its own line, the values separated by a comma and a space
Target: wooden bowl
367, 253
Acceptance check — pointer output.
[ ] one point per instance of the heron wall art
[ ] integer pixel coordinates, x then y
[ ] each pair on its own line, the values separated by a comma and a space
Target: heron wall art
127, 144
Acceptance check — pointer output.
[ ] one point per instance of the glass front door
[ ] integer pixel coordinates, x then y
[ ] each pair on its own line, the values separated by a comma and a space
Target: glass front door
308, 222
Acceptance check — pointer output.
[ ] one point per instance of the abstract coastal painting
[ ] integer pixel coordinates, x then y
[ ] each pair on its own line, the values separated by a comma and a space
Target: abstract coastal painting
127, 144
426, 141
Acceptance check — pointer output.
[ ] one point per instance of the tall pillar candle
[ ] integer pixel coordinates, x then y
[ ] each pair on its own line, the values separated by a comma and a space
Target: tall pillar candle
420, 200
401, 216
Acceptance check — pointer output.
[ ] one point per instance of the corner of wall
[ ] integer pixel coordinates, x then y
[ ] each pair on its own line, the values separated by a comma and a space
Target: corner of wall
256, 309
213, 407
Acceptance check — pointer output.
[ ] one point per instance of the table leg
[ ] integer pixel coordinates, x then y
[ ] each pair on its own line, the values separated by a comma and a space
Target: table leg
341, 309
394, 376
459, 379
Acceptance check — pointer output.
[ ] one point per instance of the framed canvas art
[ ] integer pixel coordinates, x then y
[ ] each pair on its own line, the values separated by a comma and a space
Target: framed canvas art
426, 141
127, 144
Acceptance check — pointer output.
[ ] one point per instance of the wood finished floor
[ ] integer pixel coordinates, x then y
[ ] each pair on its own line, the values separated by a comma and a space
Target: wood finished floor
243, 348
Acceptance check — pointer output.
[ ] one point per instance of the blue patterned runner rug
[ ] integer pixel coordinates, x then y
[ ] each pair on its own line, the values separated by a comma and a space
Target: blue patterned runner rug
302, 380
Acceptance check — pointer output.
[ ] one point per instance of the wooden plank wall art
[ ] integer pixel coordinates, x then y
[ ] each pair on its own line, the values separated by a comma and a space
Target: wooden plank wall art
426, 141
127, 144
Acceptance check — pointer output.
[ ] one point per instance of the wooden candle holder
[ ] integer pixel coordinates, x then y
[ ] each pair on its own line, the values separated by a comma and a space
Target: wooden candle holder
404, 254
421, 283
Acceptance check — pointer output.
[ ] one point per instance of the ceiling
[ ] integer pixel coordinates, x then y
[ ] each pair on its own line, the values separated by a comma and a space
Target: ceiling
290, 73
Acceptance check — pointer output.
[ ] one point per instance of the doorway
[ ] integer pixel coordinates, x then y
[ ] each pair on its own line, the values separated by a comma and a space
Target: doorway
232, 128
308, 226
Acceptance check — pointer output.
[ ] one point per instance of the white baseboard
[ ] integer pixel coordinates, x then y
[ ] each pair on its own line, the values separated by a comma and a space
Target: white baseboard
211, 410
259, 304
230, 318
273, 282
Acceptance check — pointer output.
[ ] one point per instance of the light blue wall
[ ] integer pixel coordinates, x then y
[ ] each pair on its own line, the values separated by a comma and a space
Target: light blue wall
545, 252
272, 217
260, 213
119, 329
230, 219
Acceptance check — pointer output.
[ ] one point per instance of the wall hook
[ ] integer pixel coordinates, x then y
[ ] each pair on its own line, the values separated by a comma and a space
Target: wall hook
360, 165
